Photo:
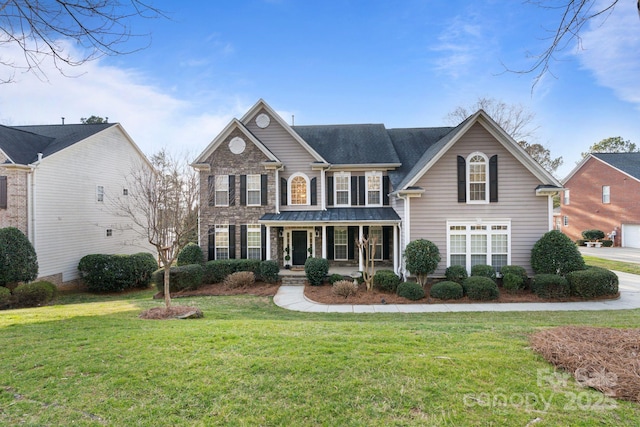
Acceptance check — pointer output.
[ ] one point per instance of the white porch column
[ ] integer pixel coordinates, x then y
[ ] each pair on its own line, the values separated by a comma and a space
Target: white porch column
396, 249
277, 178
360, 257
268, 231
324, 241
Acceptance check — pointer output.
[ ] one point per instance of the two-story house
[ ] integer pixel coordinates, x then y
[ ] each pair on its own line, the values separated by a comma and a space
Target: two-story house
603, 193
56, 185
274, 191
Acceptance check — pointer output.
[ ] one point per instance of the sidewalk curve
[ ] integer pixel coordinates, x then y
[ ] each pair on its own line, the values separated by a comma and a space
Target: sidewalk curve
292, 298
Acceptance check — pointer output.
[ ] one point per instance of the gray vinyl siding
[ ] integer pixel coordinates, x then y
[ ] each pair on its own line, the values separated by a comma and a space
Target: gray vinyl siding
517, 201
293, 156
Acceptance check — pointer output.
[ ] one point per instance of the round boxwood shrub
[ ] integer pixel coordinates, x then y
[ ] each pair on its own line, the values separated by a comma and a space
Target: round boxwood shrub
456, 273
422, 258
481, 288
607, 243
447, 290
550, 286
18, 259
190, 254
386, 280
143, 264
5, 297
593, 235
410, 290
33, 294
483, 270
316, 269
335, 277
512, 282
593, 282
181, 278
269, 271
216, 270
555, 253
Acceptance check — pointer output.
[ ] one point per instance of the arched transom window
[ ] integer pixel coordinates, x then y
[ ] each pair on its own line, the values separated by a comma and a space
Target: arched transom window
298, 190
477, 179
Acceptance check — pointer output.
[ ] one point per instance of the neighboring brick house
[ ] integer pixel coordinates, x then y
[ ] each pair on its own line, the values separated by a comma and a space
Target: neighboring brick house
56, 182
603, 193
274, 191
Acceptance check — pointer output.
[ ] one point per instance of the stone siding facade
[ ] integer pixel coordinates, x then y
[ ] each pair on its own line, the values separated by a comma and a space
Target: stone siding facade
16, 213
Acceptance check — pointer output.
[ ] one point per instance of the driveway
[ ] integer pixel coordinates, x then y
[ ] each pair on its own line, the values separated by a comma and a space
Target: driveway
614, 254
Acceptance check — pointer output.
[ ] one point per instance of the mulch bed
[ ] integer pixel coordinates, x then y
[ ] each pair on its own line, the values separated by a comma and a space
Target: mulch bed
605, 359
173, 312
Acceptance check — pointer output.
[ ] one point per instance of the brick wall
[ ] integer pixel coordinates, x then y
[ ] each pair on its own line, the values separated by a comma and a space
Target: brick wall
586, 210
16, 213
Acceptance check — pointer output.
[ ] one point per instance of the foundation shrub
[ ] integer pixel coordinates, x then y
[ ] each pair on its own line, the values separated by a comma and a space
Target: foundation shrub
447, 290
607, 243
184, 277
555, 253
33, 294
592, 235
18, 259
115, 273
481, 288
269, 271
456, 273
410, 290
514, 278
483, 270
5, 297
335, 277
240, 279
344, 288
550, 286
316, 270
190, 254
386, 280
593, 282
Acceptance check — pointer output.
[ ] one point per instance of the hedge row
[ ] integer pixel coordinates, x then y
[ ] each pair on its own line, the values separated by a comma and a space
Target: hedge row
32, 294
114, 273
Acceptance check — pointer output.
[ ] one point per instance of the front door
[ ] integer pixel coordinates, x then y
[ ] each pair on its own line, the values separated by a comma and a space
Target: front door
299, 242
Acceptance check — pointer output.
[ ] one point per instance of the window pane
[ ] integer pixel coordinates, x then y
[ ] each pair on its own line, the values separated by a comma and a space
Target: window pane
222, 190
459, 260
499, 244
340, 243
479, 244
342, 189
477, 178
498, 261
376, 233
253, 190
374, 188
458, 244
478, 259
606, 191
298, 191
222, 242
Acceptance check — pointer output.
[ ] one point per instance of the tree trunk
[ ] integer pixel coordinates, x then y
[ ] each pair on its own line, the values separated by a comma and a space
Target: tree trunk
167, 293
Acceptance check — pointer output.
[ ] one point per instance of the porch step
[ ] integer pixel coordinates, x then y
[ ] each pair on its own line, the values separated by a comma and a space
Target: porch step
293, 280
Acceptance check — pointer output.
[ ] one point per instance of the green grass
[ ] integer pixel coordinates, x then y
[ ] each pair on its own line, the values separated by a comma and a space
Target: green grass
625, 267
89, 360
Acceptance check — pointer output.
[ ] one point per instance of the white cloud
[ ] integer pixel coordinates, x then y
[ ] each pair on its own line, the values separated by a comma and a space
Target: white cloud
610, 50
460, 44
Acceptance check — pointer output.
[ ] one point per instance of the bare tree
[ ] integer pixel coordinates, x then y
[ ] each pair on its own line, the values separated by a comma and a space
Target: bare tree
100, 27
515, 120
162, 205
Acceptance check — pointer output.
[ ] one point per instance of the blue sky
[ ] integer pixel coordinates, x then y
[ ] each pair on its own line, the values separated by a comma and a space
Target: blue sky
402, 63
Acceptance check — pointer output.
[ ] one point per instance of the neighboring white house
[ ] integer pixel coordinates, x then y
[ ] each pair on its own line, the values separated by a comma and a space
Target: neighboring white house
57, 183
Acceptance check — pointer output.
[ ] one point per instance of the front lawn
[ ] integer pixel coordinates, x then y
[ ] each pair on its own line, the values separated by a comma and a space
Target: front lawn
90, 361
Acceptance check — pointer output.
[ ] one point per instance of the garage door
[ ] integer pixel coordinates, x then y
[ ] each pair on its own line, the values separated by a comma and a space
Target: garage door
631, 235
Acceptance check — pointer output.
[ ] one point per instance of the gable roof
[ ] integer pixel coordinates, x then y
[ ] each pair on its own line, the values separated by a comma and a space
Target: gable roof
360, 144
23, 143
628, 163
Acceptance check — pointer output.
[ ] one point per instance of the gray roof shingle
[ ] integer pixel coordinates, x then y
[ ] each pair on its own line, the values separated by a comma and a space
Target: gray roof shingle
360, 215
627, 162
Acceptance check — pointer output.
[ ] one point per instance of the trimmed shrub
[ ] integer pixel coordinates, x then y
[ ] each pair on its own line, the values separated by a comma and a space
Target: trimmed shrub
607, 243
483, 270
422, 258
456, 273
33, 294
180, 278
269, 271
240, 279
593, 282
114, 273
580, 242
410, 290
5, 297
344, 288
18, 259
481, 288
335, 277
447, 290
316, 269
386, 280
550, 286
190, 254
515, 269
217, 270
555, 253
512, 282
593, 234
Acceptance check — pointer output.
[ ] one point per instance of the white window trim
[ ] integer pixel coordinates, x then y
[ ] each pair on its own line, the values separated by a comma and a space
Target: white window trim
608, 194
488, 232
223, 228
567, 198
486, 178
259, 190
290, 193
346, 257
215, 189
335, 188
366, 179
254, 228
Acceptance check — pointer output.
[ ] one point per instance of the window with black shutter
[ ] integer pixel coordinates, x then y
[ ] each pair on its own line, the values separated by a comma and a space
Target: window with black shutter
462, 180
3, 192
493, 178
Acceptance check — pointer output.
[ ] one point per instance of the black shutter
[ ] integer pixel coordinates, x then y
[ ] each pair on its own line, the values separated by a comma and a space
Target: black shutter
493, 178
354, 190
283, 191
351, 241
329, 243
386, 233
211, 187
211, 244
362, 188
232, 190
329, 191
243, 190
3, 192
243, 241
462, 180
232, 242
385, 190
314, 191
263, 240
263, 190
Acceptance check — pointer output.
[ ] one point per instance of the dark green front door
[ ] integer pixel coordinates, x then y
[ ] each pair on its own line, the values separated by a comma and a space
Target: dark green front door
299, 242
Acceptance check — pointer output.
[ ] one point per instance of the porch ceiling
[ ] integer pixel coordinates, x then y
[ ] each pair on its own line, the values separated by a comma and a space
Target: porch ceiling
381, 215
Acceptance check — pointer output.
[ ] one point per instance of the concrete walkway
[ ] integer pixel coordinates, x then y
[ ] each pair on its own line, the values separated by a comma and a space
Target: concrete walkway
292, 298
